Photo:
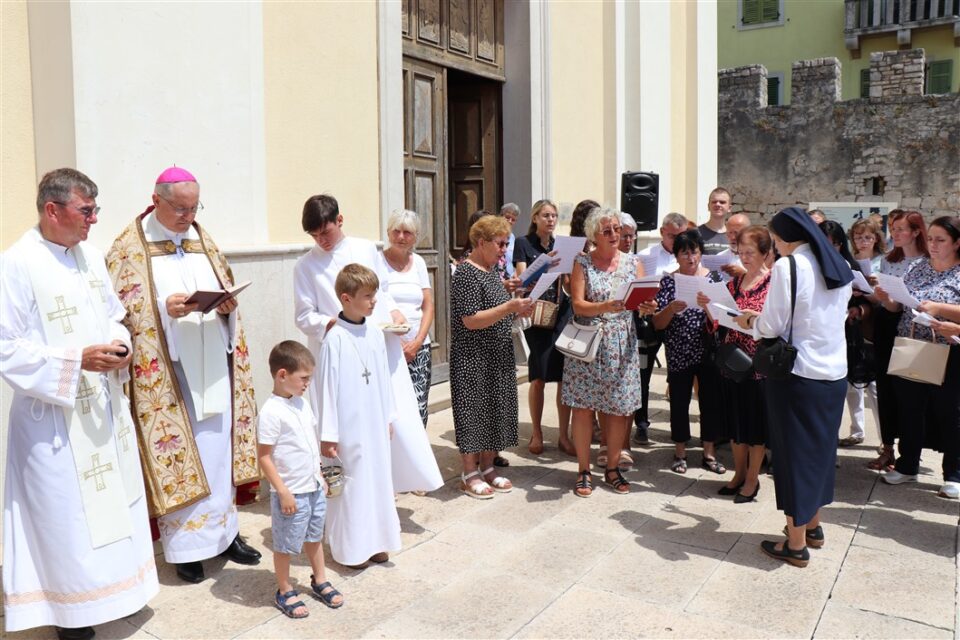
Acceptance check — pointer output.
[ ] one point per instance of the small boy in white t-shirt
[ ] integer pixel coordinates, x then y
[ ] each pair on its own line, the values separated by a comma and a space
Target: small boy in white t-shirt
289, 453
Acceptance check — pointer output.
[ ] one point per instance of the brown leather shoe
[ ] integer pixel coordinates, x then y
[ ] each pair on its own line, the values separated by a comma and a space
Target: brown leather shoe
380, 558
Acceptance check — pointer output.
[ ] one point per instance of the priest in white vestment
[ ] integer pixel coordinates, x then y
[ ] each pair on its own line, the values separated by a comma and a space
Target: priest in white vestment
200, 347
356, 413
76, 539
414, 467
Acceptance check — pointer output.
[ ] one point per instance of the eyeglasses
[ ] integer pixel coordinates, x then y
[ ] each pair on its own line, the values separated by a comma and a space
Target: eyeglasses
86, 212
611, 231
182, 211
627, 236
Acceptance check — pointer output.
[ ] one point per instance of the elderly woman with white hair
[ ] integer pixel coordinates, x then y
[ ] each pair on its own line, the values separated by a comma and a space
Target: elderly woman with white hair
628, 232
409, 284
610, 384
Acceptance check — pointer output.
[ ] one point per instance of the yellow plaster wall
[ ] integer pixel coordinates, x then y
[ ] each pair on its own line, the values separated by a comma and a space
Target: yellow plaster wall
578, 104
320, 105
18, 179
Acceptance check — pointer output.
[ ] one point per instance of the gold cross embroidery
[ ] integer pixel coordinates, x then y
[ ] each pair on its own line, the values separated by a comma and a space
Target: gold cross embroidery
97, 284
85, 393
97, 470
63, 313
123, 434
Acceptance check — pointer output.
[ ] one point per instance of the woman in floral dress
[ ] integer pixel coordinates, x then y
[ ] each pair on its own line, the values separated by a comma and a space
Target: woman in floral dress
610, 384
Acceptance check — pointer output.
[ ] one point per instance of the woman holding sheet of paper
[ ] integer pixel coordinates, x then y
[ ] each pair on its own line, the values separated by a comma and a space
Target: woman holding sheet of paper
746, 416
935, 281
686, 338
610, 384
908, 232
545, 363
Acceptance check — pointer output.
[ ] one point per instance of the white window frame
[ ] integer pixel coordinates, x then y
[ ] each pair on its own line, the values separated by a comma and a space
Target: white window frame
762, 25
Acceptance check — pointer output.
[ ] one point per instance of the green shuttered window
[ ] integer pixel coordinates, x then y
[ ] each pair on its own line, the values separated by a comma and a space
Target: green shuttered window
939, 76
760, 11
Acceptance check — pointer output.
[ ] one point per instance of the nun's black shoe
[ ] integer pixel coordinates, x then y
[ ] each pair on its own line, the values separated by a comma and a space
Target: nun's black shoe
191, 572
798, 558
75, 633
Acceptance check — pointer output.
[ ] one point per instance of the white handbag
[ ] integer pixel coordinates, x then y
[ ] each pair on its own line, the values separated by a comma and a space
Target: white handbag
580, 341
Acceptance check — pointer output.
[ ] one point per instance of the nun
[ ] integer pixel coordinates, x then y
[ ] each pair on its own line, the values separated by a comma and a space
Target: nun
806, 408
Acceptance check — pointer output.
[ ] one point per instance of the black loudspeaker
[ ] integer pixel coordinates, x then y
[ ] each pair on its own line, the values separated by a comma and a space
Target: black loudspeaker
639, 196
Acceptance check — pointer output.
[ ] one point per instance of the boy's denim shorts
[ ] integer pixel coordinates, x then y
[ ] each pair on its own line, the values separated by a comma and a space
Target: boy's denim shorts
306, 525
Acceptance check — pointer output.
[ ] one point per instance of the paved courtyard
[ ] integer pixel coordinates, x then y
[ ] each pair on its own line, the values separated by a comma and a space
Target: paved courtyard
672, 559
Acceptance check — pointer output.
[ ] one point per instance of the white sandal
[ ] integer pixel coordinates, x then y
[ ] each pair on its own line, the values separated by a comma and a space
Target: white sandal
602, 456
499, 483
476, 490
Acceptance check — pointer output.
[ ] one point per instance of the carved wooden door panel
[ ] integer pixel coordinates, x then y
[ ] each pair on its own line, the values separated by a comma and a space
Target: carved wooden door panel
474, 151
424, 164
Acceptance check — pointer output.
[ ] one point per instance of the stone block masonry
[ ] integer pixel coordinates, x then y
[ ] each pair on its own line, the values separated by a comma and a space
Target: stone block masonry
897, 145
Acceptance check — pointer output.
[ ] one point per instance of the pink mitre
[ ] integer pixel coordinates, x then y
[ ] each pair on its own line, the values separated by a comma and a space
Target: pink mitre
175, 174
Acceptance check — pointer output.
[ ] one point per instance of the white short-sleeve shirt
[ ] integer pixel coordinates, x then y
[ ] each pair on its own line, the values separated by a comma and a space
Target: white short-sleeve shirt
406, 288
289, 426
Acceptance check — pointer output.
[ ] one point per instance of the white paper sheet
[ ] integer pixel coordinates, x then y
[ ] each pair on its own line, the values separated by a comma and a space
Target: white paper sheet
649, 264
688, 287
860, 283
718, 261
543, 284
897, 290
718, 292
567, 248
726, 317
866, 266
535, 269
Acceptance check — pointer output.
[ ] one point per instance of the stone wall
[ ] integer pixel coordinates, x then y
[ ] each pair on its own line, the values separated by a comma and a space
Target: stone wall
898, 142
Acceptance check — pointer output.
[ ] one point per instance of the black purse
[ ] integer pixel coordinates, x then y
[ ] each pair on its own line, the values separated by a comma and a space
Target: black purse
775, 356
733, 362
861, 359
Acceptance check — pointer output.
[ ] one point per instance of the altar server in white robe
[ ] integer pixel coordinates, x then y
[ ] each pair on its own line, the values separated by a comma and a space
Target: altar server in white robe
414, 466
356, 416
76, 540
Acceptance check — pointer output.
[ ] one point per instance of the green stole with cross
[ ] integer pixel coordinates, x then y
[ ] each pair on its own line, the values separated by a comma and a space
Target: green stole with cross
74, 315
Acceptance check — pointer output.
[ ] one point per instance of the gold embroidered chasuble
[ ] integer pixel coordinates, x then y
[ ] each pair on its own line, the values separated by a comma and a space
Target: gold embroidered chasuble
173, 473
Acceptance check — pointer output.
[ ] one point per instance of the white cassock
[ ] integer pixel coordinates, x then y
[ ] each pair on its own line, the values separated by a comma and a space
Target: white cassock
55, 572
198, 347
414, 466
356, 403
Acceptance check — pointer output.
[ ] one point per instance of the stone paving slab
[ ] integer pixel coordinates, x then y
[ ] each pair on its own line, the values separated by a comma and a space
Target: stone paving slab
671, 560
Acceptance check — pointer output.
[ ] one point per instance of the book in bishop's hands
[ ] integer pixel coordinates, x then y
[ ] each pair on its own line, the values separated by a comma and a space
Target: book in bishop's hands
643, 289
210, 300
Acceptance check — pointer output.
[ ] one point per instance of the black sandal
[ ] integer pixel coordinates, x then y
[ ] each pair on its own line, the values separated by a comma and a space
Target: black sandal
619, 483
326, 598
796, 557
679, 465
584, 486
289, 607
714, 465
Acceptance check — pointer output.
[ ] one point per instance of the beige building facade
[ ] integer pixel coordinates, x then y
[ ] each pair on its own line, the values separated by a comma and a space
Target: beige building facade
269, 103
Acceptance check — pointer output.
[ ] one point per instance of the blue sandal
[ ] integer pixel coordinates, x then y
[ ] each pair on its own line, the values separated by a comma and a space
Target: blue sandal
326, 598
288, 608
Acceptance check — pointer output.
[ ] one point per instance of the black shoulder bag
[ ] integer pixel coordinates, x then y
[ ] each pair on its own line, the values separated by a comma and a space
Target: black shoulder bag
733, 362
775, 356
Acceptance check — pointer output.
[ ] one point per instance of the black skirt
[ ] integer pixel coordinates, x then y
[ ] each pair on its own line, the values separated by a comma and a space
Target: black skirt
804, 419
545, 361
746, 408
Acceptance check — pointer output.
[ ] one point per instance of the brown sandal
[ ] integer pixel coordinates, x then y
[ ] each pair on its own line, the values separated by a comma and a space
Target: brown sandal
883, 462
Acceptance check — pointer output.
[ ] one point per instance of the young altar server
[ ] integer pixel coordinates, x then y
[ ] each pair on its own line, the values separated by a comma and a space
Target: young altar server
317, 305
289, 452
356, 412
